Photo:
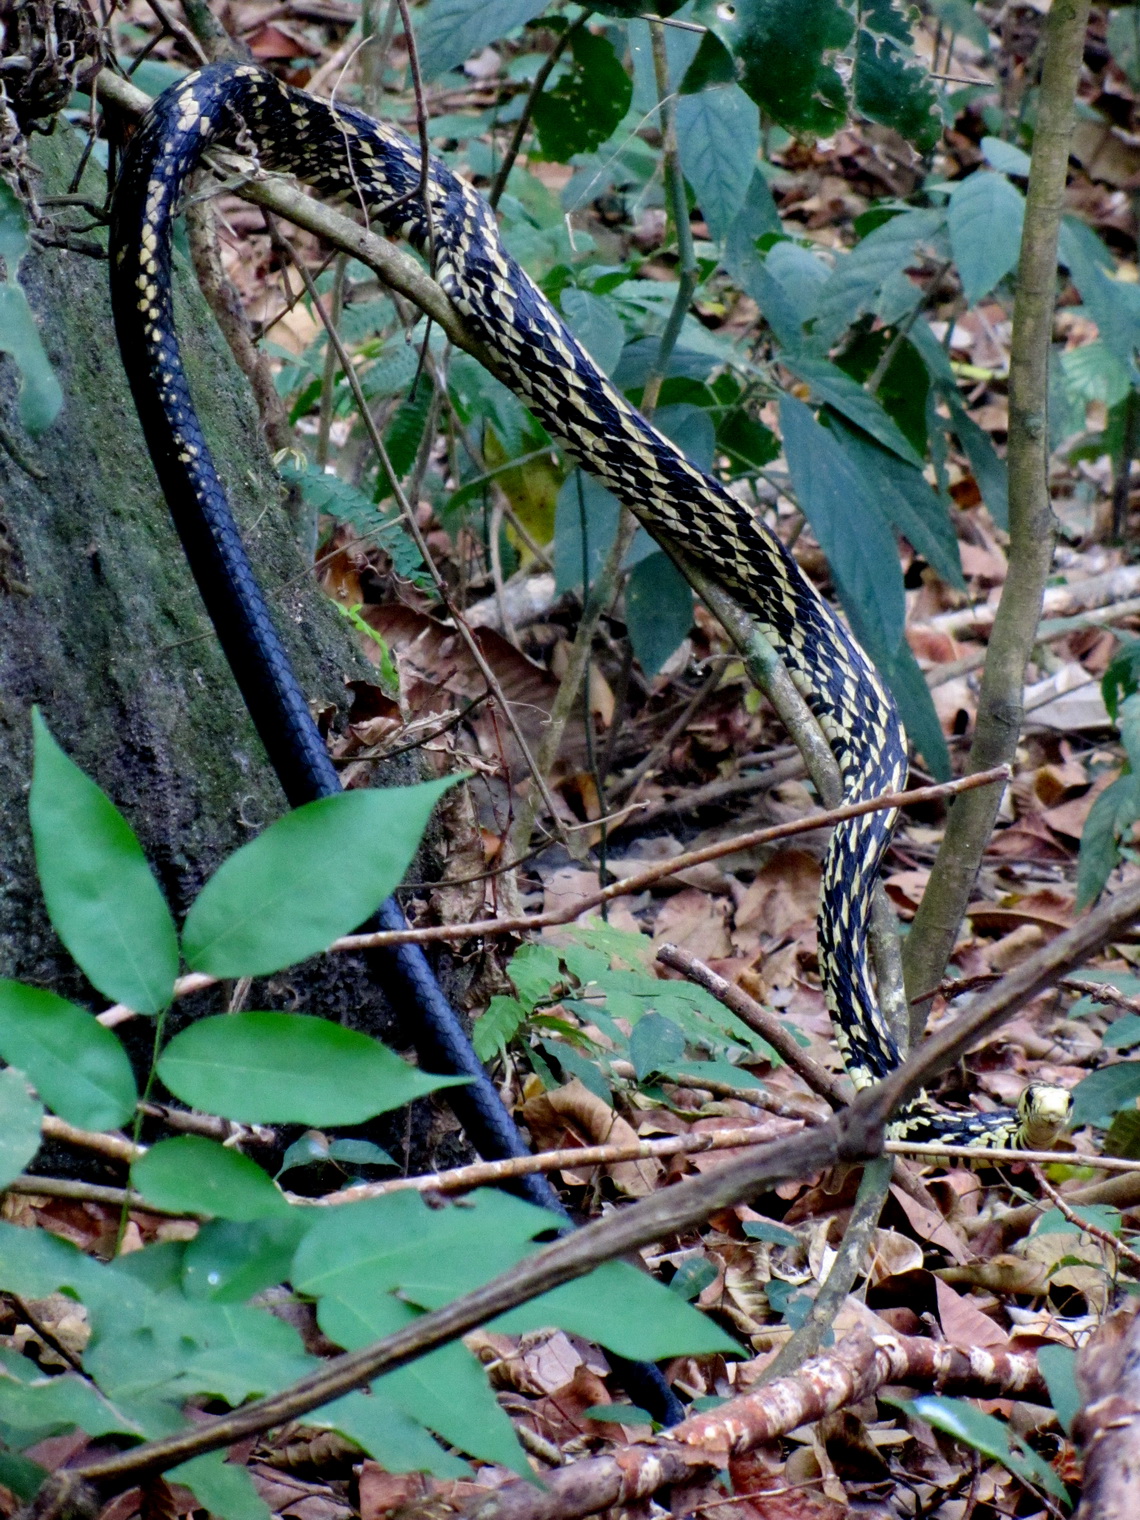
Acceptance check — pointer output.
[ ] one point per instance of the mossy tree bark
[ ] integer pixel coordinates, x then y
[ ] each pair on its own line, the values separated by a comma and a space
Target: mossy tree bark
102, 627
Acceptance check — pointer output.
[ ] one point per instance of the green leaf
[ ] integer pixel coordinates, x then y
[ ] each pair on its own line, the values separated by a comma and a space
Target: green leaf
581, 496
617, 1414
908, 502
535, 971
20, 1120
197, 1176
1110, 817
986, 1434
312, 876
1123, 1136
1124, 40
889, 86
1123, 1032
587, 103
495, 1028
289, 1068
1058, 1366
229, 1261
718, 137
748, 443
449, 31
783, 51
396, 1440
595, 324
908, 686
40, 394
1102, 1215
100, 892
1102, 1094
857, 281
848, 397
78, 1067
223, 1488
692, 1277
1005, 157
766, 1229
1094, 372
41, 397
654, 1045
404, 432
327, 493
658, 610
851, 531
985, 217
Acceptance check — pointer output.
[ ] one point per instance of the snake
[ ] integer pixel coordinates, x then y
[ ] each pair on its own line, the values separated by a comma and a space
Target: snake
344, 155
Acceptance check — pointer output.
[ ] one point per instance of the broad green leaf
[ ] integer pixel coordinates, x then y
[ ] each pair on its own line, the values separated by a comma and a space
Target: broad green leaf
223, 1488
396, 1440
654, 1045
78, 1067
848, 397
1124, 39
908, 686
854, 285
1123, 1032
985, 218
198, 1176
617, 1414
658, 610
30, 1401
1100, 1096
448, 31
718, 137
582, 109
289, 1068
1005, 157
767, 1229
692, 1277
889, 87
1110, 818
497, 1026
1122, 678
585, 522
748, 443
20, 1120
100, 892
41, 396
1102, 1215
908, 501
1058, 1366
986, 1434
229, 1261
595, 324
40, 393
1094, 372
1112, 303
851, 530
312, 876
1123, 1135
783, 51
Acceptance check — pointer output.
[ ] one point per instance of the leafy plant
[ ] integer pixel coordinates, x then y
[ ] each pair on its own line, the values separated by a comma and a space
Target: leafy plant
172, 1324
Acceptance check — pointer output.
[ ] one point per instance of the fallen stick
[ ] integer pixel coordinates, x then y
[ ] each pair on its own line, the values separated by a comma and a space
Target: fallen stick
859, 1366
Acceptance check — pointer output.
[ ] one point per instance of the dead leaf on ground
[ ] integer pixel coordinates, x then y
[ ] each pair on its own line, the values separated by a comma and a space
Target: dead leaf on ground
572, 1114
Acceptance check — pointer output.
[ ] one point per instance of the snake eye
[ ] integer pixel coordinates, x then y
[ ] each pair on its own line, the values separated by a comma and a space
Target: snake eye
726, 12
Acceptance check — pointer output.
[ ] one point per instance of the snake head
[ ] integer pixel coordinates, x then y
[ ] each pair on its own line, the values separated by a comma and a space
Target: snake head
1044, 1112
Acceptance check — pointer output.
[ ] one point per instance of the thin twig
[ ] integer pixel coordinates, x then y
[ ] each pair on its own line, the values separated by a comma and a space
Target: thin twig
499, 183
88, 1192
461, 1179
185, 36
423, 190
1106, 1237
766, 1025
935, 1151
630, 885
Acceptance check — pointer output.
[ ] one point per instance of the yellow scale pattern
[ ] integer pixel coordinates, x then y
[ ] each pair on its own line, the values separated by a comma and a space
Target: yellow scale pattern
347, 156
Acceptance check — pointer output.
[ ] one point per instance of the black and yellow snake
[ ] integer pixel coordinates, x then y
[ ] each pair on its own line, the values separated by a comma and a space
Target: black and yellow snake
343, 154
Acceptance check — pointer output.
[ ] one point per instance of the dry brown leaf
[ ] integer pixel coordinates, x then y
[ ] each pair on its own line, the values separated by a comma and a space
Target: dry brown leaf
782, 896
696, 922
572, 1113
963, 1323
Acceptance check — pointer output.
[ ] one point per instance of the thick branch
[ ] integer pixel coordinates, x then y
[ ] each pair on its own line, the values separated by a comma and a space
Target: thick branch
1031, 525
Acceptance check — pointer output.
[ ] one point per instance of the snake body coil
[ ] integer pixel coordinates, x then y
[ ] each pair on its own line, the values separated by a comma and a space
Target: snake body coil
343, 154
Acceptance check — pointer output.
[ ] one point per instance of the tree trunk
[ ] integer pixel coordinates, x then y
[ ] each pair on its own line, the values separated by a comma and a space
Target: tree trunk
102, 626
